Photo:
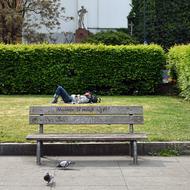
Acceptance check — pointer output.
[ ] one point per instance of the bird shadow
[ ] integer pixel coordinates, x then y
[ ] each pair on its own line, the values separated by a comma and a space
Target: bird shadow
68, 169
51, 184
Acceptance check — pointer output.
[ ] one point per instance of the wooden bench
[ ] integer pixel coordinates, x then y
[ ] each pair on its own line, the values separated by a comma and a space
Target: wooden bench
86, 115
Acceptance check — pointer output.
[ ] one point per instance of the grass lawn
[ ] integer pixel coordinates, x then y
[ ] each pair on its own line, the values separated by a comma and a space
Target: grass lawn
166, 118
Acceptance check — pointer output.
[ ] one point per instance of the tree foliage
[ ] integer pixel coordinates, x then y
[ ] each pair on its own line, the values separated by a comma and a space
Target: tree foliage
164, 22
20, 18
10, 21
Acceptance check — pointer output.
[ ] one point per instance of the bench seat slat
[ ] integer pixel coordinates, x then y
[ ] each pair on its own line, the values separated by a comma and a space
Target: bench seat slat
88, 137
78, 110
86, 119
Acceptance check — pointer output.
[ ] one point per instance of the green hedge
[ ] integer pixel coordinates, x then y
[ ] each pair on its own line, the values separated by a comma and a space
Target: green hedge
179, 62
37, 69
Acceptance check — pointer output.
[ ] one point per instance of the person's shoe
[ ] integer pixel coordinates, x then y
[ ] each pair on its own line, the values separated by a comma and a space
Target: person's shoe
55, 99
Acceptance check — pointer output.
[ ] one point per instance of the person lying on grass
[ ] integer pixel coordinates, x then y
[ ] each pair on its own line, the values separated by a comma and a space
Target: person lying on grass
87, 97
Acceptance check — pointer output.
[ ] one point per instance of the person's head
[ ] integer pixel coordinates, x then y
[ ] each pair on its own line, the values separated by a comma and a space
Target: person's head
88, 94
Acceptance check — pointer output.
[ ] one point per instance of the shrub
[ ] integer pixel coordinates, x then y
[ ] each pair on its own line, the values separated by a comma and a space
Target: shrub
37, 69
179, 62
111, 38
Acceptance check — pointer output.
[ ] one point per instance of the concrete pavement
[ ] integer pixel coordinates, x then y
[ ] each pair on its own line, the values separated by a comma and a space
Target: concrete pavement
96, 173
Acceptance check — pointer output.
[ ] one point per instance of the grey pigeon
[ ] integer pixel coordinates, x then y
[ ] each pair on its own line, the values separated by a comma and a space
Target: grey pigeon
49, 179
65, 163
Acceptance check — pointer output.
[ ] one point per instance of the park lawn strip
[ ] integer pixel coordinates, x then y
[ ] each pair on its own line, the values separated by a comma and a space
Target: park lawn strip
166, 117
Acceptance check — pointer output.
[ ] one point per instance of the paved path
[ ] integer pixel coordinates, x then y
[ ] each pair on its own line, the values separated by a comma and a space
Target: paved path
96, 173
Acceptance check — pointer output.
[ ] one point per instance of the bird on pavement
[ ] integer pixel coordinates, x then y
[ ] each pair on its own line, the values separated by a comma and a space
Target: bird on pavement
49, 179
65, 164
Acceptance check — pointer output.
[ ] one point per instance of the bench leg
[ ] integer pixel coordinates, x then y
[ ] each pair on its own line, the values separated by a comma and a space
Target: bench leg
38, 153
41, 149
131, 148
134, 152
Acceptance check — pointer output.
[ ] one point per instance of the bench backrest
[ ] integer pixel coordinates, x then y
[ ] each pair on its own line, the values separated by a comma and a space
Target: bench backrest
86, 115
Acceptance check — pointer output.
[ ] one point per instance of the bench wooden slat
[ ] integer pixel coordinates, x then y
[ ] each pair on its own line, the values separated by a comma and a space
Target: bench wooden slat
77, 120
88, 137
78, 110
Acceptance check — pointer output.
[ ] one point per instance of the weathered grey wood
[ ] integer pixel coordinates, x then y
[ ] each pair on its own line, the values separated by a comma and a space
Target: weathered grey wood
41, 128
134, 152
89, 115
78, 110
131, 128
77, 120
88, 137
38, 153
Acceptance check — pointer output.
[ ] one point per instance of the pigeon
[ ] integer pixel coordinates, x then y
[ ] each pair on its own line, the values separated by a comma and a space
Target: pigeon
65, 163
49, 178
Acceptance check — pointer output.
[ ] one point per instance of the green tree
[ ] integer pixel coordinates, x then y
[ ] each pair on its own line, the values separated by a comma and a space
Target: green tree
164, 22
10, 21
23, 18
